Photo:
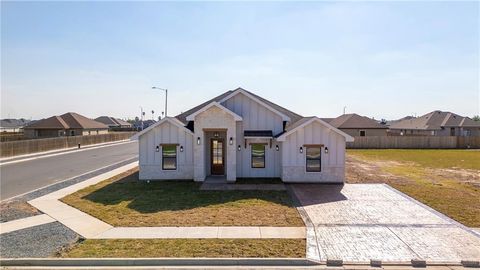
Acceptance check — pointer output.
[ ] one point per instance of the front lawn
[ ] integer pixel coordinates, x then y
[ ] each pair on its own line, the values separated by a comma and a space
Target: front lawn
126, 202
446, 180
214, 248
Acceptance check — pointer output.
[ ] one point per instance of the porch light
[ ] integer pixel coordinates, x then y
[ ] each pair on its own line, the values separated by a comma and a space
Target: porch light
239, 147
326, 150
157, 148
231, 141
181, 148
301, 149
277, 148
215, 134
198, 140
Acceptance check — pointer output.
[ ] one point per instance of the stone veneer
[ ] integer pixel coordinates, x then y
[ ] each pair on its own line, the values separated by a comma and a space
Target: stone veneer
292, 174
155, 172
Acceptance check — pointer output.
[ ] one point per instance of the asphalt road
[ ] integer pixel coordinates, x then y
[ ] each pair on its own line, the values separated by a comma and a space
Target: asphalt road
21, 177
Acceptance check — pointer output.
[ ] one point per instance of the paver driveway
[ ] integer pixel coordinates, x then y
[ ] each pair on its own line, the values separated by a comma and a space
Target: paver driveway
359, 222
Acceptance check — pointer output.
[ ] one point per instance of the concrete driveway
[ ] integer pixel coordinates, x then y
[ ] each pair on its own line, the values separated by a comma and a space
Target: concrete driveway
360, 222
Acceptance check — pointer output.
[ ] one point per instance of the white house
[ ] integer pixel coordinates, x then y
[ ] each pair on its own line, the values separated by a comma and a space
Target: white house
241, 135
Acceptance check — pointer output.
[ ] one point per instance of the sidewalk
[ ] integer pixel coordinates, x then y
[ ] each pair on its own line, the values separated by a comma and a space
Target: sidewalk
23, 223
203, 232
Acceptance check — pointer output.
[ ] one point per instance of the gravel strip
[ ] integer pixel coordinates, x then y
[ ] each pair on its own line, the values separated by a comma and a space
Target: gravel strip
38, 241
16, 209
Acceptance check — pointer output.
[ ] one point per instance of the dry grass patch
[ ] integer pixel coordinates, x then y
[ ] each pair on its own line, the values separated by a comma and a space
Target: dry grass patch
446, 180
125, 201
199, 248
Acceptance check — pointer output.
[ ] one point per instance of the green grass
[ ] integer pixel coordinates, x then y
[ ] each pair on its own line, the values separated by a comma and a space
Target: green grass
213, 248
125, 201
445, 159
418, 175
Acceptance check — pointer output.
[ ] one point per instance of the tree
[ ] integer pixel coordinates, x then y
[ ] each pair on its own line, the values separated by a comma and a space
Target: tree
476, 118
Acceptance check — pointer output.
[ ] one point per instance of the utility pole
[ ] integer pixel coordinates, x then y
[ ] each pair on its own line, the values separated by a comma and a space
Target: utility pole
344, 109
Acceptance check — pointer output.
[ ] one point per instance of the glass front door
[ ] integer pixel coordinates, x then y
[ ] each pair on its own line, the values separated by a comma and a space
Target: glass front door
217, 157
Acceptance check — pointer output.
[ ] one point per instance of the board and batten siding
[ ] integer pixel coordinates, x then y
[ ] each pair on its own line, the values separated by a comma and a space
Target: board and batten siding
150, 161
255, 117
332, 164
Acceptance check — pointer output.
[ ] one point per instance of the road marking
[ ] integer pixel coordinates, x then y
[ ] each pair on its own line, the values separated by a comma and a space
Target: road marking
70, 151
61, 181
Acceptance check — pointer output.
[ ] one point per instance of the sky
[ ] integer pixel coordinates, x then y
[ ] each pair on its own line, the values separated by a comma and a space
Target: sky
378, 59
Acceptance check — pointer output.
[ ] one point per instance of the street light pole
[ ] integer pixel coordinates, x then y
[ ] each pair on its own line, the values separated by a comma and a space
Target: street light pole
141, 116
166, 97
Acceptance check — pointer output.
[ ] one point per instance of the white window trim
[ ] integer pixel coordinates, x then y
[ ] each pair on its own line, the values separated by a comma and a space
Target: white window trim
305, 161
176, 160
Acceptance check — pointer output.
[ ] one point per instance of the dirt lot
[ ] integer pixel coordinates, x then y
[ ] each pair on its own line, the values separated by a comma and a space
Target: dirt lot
446, 180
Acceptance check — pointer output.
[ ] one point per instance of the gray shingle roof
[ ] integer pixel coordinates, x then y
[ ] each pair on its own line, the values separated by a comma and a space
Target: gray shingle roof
112, 121
435, 120
355, 121
67, 121
13, 123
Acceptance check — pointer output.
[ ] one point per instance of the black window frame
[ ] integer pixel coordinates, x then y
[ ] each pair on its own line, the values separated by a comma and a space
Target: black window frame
168, 157
319, 159
252, 157
364, 133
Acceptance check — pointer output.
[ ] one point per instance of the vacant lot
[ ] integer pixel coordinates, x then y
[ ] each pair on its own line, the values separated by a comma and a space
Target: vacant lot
446, 180
218, 248
125, 201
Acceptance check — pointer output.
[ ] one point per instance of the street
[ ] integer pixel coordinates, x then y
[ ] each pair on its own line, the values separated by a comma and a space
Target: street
19, 178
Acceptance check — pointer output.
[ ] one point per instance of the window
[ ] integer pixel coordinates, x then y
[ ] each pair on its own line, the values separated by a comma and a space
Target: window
314, 159
362, 133
169, 157
258, 156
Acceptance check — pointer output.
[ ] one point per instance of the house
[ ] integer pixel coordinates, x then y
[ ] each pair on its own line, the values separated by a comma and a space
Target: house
113, 122
437, 123
241, 135
12, 125
141, 125
68, 124
357, 125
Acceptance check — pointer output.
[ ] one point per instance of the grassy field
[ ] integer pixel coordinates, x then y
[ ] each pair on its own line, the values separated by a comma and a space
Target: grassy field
446, 180
446, 159
125, 201
156, 248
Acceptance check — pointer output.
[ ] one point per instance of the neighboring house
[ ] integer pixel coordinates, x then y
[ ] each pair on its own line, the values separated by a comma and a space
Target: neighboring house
437, 123
69, 124
12, 125
113, 122
357, 125
393, 122
241, 135
141, 125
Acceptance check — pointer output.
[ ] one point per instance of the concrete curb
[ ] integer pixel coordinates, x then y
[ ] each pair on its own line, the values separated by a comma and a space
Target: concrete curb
204, 262
55, 262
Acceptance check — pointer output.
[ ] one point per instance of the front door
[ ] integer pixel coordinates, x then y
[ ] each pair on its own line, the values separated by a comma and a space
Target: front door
217, 157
